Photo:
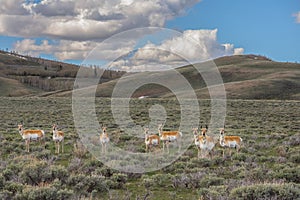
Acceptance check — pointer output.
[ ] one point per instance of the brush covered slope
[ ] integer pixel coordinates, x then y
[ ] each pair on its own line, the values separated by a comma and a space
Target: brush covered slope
244, 77
30, 76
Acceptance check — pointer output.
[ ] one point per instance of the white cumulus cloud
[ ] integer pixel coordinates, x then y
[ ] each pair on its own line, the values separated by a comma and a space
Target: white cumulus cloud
76, 50
73, 28
192, 46
80, 20
64, 50
297, 15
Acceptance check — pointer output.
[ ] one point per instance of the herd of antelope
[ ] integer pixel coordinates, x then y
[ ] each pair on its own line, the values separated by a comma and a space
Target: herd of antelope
204, 143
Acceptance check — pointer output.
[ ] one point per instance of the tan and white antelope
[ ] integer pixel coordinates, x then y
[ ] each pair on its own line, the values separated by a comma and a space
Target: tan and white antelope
28, 135
229, 141
169, 136
151, 140
104, 139
204, 143
58, 138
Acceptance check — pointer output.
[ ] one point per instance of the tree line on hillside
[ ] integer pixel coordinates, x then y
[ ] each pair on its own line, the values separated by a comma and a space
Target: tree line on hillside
50, 75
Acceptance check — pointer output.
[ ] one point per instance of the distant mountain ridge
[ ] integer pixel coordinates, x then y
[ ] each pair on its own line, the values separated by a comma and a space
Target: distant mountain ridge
244, 77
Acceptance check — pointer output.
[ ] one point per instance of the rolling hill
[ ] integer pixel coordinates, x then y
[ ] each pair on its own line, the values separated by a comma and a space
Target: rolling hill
24, 75
244, 77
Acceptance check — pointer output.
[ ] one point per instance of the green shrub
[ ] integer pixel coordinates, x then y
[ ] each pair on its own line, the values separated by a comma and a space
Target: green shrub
7, 174
73, 180
184, 158
257, 174
12, 170
218, 161
79, 150
5, 194
294, 140
204, 193
13, 187
91, 165
75, 165
203, 162
295, 158
35, 173
97, 183
44, 155
37, 193
208, 181
266, 191
64, 194
187, 180
180, 165
83, 184
290, 174
239, 157
213, 192
148, 182
59, 172
105, 171
264, 159
119, 180
2, 181
162, 180
124, 137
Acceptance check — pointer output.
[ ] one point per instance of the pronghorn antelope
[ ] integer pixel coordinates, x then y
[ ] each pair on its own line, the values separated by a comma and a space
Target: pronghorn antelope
151, 140
58, 138
29, 135
230, 141
204, 143
104, 139
169, 136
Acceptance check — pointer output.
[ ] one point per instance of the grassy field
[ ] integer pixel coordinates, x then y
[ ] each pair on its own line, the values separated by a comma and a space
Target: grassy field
267, 167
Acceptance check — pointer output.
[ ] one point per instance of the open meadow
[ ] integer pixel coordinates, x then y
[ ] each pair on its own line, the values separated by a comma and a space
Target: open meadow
267, 166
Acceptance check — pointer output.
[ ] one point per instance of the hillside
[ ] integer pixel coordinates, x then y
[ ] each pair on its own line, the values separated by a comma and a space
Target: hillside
244, 77
24, 75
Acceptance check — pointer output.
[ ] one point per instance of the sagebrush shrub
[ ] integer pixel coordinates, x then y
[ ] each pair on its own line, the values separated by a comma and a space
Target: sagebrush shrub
290, 174
2, 181
266, 191
210, 180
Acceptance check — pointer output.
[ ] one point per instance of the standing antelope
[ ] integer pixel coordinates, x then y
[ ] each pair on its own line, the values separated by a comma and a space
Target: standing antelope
151, 140
104, 139
204, 143
58, 137
230, 141
29, 135
169, 136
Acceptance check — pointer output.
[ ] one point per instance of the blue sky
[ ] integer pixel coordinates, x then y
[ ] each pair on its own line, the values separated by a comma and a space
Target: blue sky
265, 27
69, 30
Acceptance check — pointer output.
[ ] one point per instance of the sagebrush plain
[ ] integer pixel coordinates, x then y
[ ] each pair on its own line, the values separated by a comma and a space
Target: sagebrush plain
267, 166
